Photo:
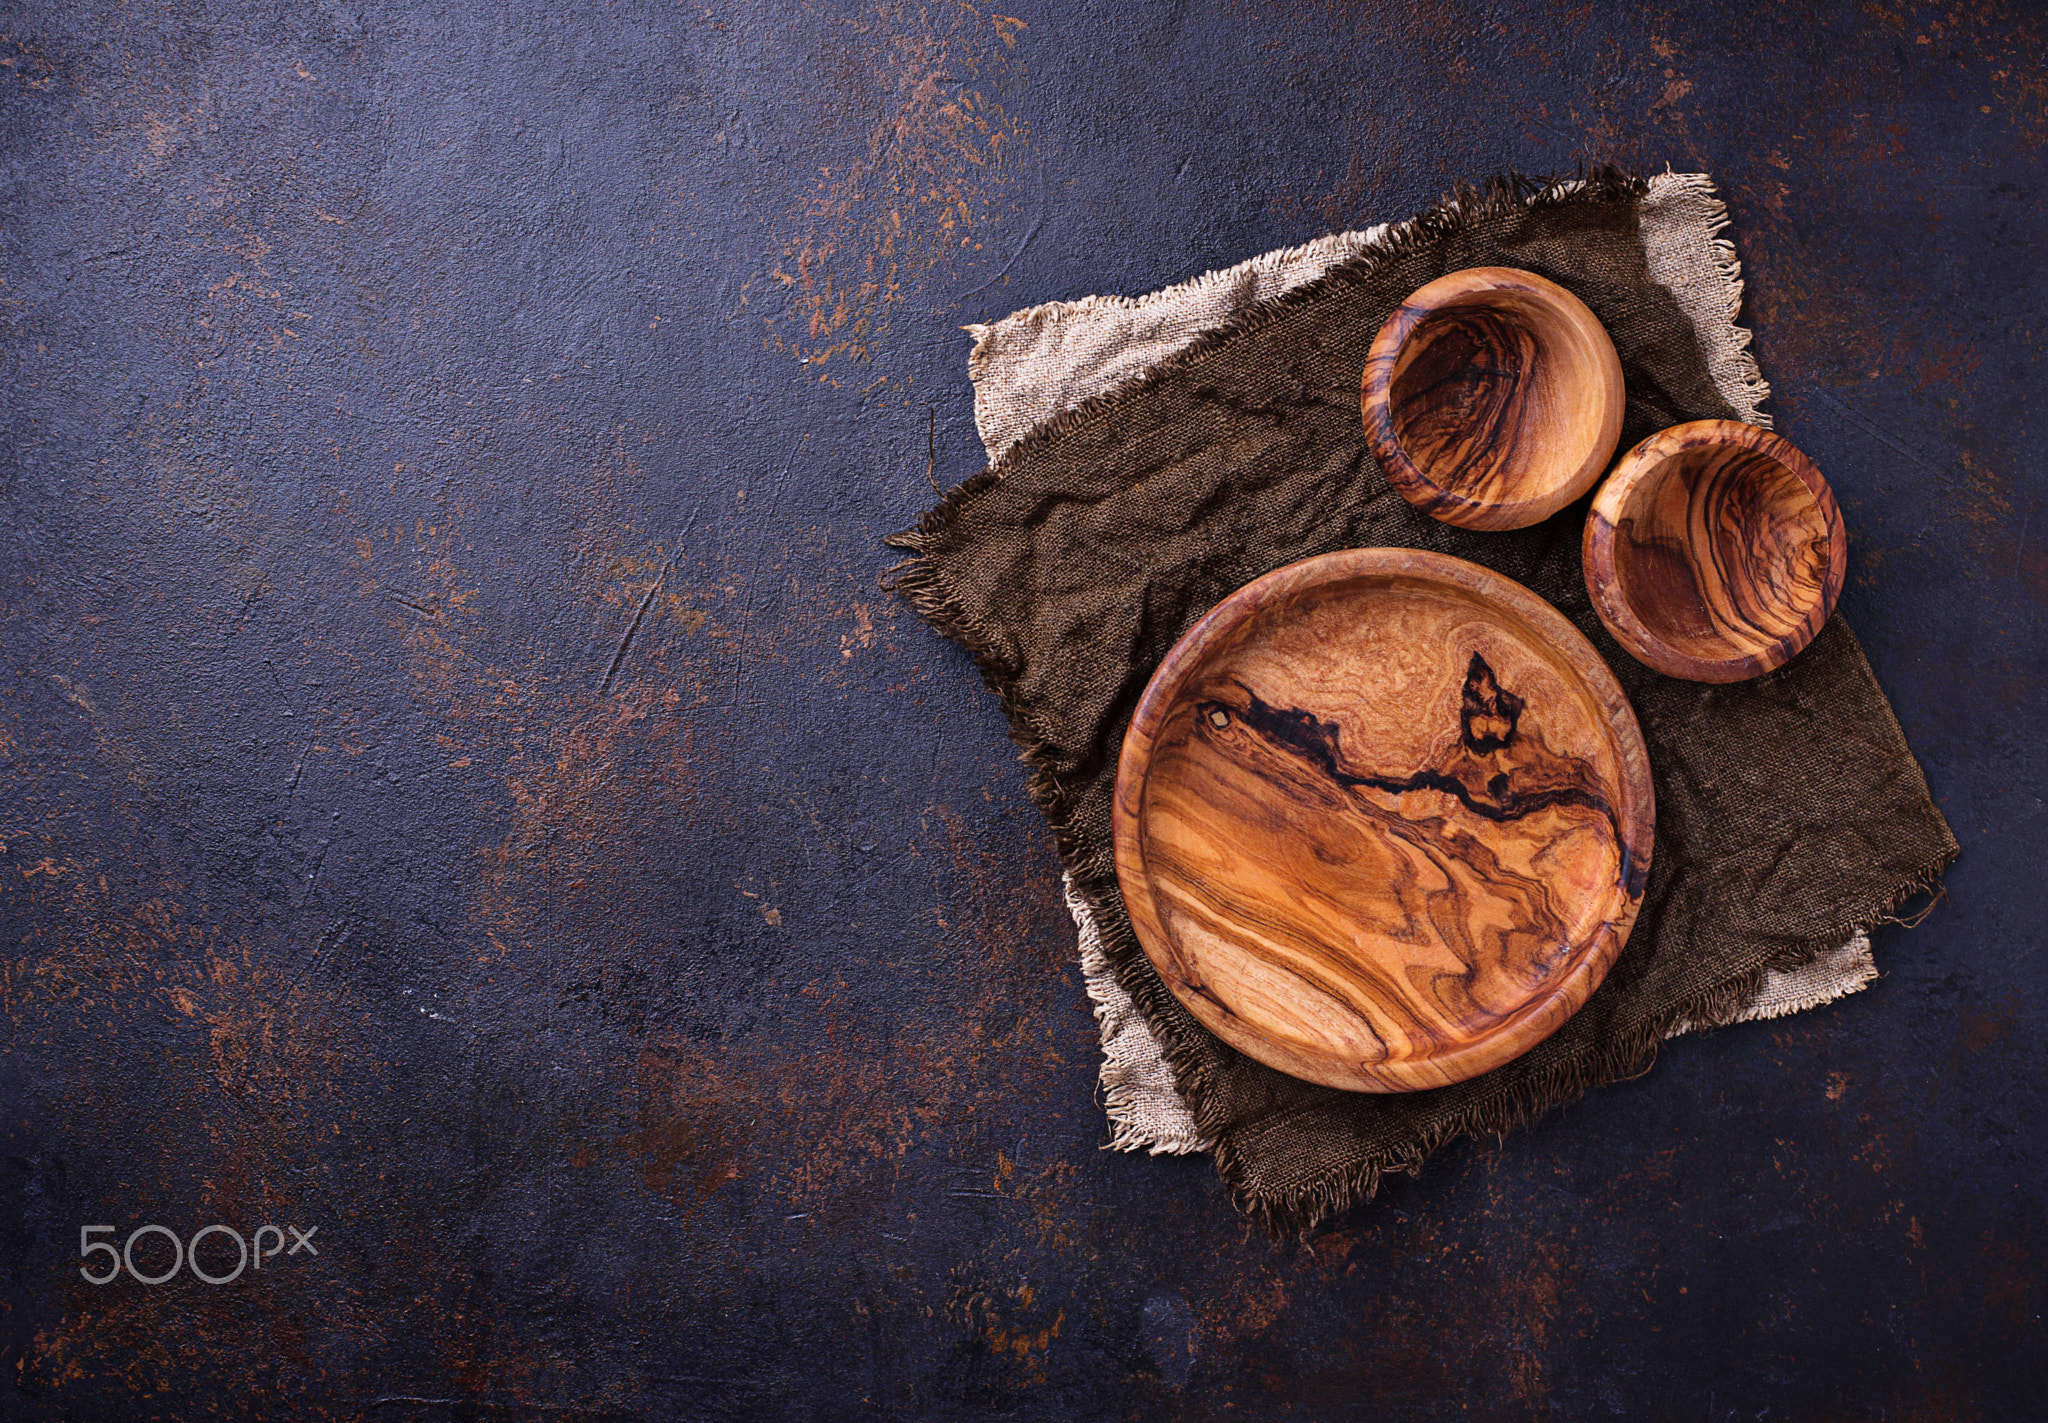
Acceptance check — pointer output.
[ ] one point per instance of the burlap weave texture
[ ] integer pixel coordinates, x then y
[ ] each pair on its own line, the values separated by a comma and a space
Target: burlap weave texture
1790, 814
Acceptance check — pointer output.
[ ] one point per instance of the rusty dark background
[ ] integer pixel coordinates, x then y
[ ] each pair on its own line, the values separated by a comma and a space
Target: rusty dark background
461, 788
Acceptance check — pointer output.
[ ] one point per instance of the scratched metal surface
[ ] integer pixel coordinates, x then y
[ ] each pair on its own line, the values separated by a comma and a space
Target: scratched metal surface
463, 791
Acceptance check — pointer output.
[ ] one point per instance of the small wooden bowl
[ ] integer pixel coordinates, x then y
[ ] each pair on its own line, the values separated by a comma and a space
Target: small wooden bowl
1383, 819
1715, 551
1492, 398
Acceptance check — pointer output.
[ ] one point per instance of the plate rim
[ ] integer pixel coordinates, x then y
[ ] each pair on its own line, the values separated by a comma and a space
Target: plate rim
1539, 1017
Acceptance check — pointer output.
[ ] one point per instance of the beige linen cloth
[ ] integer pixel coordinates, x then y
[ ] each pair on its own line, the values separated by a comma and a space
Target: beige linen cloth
1036, 363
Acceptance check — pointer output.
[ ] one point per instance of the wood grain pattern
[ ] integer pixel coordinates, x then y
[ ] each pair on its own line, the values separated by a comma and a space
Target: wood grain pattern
1492, 398
1715, 551
1383, 820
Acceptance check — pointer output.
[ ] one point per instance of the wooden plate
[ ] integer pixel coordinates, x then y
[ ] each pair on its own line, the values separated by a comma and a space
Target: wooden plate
1383, 820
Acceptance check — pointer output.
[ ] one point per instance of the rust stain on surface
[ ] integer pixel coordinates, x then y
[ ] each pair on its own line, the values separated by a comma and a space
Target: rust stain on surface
930, 89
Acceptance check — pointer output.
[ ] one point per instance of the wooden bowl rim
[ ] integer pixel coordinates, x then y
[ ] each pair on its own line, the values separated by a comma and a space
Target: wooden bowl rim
1650, 461
1376, 403
1635, 809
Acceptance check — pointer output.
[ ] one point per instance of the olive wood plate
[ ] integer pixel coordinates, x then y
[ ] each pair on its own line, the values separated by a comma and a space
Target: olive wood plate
1383, 820
1715, 551
1492, 398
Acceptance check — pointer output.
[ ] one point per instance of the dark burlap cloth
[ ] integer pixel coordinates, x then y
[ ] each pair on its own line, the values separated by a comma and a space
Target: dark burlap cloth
1789, 811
